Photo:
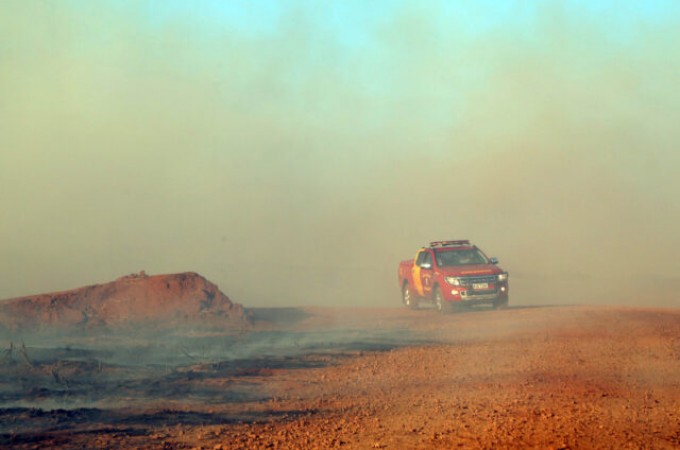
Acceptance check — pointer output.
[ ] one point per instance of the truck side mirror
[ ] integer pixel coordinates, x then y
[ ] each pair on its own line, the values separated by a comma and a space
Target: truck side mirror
426, 266
494, 260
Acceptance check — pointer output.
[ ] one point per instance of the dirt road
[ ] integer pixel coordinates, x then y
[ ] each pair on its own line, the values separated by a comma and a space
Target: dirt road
545, 377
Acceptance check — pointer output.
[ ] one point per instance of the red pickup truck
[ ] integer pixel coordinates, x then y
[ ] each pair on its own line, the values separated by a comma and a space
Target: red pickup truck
451, 273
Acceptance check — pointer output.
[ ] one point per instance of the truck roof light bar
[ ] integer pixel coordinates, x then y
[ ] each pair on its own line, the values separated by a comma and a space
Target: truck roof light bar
449, 243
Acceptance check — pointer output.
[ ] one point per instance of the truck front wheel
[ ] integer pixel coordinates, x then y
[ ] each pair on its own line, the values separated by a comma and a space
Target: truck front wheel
500, 304
407, 297
438, 300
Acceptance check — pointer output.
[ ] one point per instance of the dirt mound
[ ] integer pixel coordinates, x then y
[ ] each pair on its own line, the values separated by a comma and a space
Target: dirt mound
162, 300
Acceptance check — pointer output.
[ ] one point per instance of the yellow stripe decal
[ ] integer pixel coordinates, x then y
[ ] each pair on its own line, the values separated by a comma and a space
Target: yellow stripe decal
417, 282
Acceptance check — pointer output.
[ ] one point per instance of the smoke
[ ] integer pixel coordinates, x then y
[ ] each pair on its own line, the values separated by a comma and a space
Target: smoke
294, 156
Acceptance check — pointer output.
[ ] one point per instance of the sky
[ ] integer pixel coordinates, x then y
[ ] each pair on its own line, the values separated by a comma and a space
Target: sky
293, 152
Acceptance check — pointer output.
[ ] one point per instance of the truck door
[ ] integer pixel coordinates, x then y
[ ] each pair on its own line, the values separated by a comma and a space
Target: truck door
415, 273
422, 273
426, 274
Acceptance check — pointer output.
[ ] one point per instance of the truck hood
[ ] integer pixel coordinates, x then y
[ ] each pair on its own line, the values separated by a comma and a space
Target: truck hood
471, 271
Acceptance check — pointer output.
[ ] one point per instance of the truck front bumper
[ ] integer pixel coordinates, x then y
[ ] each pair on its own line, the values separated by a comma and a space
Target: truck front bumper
471, 297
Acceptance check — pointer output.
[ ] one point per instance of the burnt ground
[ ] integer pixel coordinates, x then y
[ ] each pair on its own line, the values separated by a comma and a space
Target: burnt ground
542, 377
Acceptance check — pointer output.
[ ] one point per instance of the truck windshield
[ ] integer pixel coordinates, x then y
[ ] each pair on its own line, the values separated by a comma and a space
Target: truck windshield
460, 258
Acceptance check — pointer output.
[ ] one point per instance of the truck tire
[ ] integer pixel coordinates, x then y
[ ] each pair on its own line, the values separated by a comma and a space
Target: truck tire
438, 299
407, 297
500, 304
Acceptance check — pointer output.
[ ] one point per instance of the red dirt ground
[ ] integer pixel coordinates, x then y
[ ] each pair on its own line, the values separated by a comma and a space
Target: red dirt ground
544, 377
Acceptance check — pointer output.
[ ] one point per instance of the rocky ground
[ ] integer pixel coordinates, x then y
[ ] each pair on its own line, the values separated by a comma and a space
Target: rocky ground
540, 377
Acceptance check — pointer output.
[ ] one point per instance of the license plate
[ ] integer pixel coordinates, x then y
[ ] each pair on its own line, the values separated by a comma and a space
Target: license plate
478, 286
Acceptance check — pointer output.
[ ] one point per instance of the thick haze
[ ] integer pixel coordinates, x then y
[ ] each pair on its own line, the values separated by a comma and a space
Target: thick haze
293, 153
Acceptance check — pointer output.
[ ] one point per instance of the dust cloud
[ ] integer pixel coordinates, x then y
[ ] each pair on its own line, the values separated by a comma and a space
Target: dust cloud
295, 159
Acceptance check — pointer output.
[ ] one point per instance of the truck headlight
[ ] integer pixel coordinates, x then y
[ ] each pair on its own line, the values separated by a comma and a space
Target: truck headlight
453, 281
502, 277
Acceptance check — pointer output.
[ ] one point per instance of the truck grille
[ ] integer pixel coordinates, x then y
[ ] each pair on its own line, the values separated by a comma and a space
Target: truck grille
469, 281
